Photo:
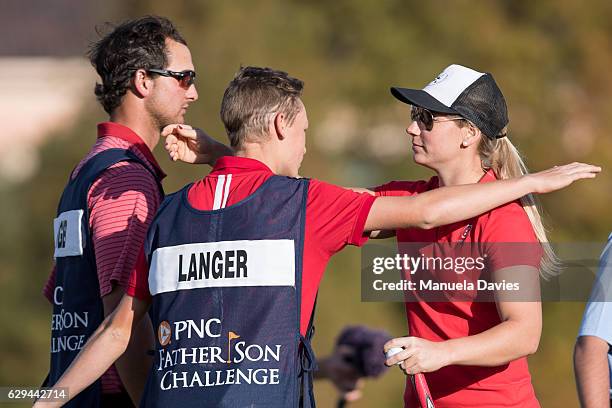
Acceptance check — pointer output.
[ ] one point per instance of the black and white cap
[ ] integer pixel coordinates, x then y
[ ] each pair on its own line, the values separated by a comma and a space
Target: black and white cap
462, 91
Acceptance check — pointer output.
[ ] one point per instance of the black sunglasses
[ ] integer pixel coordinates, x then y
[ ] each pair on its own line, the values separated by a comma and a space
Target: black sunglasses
427, 118
186, 78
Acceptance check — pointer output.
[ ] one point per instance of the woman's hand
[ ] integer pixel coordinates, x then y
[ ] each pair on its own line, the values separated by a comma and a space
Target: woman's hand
561, 176
419, 355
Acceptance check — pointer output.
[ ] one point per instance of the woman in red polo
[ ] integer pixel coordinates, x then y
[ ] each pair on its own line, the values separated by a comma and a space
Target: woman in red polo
473, 353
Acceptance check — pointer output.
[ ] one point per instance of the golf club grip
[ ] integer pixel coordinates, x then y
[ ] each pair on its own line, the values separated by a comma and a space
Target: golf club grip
422, 391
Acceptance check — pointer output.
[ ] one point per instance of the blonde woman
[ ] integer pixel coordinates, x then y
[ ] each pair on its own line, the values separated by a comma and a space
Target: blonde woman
473, 353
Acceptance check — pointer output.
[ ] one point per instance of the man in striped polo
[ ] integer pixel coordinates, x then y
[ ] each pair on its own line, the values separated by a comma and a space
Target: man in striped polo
147, 82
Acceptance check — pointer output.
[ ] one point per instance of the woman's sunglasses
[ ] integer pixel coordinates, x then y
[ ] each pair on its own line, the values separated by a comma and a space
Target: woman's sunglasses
427, 118
186, 78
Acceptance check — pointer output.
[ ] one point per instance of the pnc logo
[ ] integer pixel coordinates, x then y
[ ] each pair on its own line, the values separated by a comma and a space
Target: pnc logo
164, 333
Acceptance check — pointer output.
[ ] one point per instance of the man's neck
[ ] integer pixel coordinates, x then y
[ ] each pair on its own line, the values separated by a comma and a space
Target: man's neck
262, 153
140, 123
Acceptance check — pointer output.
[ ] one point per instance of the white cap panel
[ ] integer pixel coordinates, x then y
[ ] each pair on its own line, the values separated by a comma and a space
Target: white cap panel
451, 83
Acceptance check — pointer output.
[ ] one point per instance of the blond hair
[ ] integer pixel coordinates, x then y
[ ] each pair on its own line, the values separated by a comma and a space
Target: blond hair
252, 99
505, 160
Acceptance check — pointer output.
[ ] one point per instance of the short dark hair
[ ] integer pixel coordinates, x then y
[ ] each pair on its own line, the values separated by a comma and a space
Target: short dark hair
253, 97
134, 44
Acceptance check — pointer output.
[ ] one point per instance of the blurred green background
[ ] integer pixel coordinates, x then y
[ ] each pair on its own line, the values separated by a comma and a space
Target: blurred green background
550, 59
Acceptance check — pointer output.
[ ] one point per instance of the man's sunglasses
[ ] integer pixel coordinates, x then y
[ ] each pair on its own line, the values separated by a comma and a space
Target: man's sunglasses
427, 118
186, 78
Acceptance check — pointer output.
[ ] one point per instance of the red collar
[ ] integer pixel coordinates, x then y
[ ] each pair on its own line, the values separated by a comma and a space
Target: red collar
233, 164
125, 133
488, 176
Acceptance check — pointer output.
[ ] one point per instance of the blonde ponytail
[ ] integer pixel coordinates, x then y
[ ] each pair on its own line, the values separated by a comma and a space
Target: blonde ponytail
504, 159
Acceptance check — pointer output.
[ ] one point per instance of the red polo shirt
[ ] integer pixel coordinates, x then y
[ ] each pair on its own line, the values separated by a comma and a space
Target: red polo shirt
470, 386
335, 217
121, 202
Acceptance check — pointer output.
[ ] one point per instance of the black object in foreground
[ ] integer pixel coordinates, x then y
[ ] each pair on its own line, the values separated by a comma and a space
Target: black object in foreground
364, 351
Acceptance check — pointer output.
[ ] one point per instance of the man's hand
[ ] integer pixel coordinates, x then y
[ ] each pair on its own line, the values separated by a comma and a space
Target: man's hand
102, 349
192, 145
